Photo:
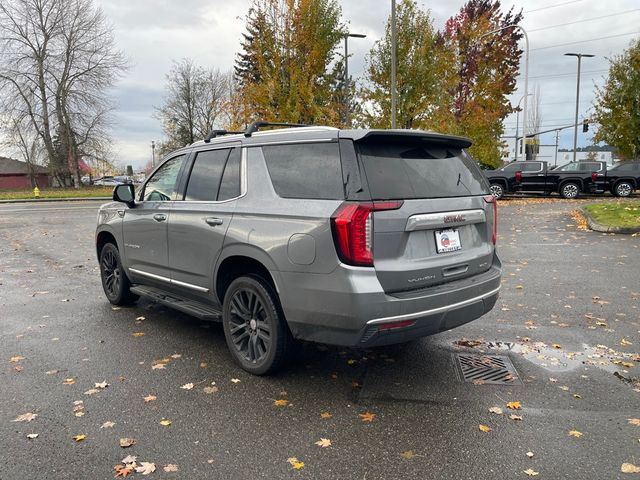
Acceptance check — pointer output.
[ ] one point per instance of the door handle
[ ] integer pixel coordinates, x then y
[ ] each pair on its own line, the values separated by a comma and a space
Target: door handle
213, 221
159, 217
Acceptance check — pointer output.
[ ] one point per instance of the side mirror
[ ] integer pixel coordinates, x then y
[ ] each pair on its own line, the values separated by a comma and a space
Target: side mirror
125, 193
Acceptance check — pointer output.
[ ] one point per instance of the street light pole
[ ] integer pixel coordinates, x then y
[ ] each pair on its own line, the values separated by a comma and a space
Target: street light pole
153, 154
526, 78
575, 128
346, 79
517, 125
394, 87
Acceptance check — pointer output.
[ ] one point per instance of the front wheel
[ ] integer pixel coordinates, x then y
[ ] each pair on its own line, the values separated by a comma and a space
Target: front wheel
254, 325
115, 283
570, 190
497, 190
623, 189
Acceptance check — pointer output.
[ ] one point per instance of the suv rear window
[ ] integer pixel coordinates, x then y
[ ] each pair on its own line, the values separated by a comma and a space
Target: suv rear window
306, 170
414, 168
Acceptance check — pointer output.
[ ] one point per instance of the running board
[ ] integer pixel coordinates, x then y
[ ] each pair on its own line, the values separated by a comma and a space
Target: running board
191, 307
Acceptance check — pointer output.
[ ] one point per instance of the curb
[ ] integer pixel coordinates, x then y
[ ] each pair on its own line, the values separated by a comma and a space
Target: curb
598, 227
42, 200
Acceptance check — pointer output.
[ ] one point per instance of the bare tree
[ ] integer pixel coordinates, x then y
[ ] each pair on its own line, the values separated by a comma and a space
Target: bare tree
194, 105
59, 60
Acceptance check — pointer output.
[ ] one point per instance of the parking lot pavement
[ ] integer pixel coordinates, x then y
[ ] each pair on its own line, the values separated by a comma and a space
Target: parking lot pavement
568, 319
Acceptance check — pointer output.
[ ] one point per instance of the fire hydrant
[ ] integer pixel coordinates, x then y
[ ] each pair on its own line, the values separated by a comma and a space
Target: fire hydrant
36, 192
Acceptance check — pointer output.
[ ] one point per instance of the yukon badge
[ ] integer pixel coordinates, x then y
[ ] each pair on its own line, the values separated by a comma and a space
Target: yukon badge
454, 218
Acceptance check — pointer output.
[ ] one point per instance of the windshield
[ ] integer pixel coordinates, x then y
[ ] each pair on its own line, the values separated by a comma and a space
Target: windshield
415, 168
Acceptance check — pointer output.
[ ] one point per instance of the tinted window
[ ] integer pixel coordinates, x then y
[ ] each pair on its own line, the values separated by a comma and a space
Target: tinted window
206, 172
569, 167
230, 186
310, 170
162, 184
626, 167
512, 167
531, 167
590, 166
405, 168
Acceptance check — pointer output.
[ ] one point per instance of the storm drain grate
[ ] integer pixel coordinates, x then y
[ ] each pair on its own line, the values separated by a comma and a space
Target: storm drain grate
487, 369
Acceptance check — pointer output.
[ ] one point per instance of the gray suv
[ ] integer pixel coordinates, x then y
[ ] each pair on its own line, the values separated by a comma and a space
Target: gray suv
358, 238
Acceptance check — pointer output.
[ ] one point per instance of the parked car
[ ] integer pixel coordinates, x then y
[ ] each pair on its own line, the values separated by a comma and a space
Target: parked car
536, 176
107, 181
358, 238
623, 178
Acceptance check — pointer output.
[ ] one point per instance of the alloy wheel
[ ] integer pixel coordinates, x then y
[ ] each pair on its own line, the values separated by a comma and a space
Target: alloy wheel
111, 273
623, 189
250, 326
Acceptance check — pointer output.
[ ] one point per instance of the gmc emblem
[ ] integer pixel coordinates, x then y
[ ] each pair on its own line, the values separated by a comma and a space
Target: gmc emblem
453, 218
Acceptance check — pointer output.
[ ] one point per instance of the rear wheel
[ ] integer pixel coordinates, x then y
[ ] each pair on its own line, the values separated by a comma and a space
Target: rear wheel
570, 190
623, 189
254, 325
497, 190
115, 282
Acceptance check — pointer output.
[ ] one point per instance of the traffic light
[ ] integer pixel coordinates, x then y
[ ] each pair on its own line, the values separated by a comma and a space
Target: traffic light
585, 126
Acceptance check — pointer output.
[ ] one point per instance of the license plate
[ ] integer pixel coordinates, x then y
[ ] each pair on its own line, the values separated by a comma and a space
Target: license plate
448, 240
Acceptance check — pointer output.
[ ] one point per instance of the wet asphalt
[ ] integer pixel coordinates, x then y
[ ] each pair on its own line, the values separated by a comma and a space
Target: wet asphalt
568, 319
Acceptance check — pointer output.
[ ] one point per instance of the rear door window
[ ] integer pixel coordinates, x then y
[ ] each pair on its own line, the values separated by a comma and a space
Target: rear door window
532, 167
416, 168
306, 170
206, 173
230, 184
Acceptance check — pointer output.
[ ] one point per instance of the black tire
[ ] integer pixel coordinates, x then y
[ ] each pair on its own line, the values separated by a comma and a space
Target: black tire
254, 325
115, 282
497, 190
623, 189
570, 190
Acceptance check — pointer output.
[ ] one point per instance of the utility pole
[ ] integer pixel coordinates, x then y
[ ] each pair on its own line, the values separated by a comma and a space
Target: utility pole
346, 80
394, 86
517, 125
555, 161
575, 129
153, 154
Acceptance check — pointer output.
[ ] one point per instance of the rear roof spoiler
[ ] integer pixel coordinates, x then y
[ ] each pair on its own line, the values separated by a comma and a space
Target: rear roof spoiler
359, 135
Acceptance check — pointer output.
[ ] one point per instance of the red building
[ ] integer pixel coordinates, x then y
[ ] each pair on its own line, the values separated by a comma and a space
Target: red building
16, 174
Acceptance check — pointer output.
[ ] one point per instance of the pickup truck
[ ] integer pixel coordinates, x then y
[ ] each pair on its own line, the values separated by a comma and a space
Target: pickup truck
623, 179
536, 176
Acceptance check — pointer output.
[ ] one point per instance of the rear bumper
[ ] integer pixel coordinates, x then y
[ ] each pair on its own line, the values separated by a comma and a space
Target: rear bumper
348, 306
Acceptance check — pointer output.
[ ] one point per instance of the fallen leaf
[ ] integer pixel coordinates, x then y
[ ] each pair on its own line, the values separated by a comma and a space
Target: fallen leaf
146, 468
323, 442
484, 428
51, 372
514, 405
629, 468
515, 417
575, 433
127, 442
496, 410
102, 385
140, 319
632, 421
367, 416
158, 366
281, 403
203, 364
295, 463
26, 417
129, 459
149, 398
138, 334
170, 468
175, 356
627, 364
235, 380
31, 436
107, 425
69, 381
187, 386
624, 342
122, 470
575, 395
80, 438
210, 389
409, 454
530, 454
556, 345
325, 415
16, 359
165, 422
519, 287
531, 472
93, 391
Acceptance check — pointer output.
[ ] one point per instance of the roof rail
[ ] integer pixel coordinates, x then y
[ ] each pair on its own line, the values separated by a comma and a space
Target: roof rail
216, 133
255, 126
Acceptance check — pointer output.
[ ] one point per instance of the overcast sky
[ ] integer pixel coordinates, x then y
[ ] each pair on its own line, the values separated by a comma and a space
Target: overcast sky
152, 33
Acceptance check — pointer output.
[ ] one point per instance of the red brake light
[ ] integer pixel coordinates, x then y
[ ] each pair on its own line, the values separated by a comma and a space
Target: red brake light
594, 176
518, 177
492, 200
352, 227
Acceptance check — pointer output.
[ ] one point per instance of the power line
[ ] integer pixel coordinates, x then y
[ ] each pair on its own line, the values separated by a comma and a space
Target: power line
568, 74
552, 6
585, 41
585, 20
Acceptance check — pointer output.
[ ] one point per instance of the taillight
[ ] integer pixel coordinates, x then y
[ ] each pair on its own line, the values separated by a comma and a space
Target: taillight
492, 200
352, 226
518, 177
594, 176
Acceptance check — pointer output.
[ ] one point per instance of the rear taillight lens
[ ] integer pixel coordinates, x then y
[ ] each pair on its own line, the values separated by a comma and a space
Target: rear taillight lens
492, 200
594, 176
518, 177
352, 227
